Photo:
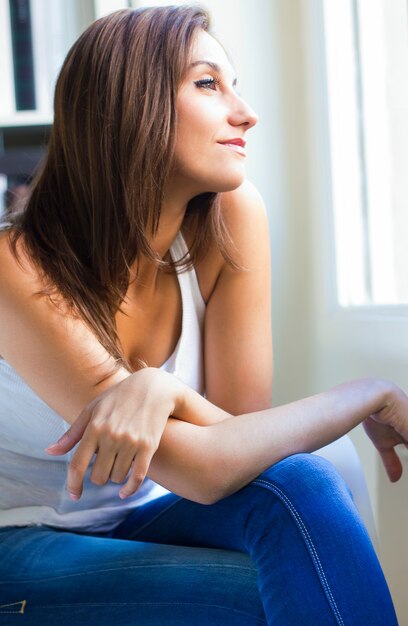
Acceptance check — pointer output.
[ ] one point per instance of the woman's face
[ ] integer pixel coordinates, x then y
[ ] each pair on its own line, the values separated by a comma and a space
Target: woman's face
210, 114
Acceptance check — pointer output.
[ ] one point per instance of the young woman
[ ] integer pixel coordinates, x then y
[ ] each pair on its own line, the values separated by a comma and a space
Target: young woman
136, 280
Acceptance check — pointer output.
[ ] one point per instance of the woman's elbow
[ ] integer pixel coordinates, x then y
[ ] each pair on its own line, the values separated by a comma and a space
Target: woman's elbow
184, 462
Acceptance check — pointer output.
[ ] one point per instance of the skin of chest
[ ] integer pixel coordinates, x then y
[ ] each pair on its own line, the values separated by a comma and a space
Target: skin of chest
150, 321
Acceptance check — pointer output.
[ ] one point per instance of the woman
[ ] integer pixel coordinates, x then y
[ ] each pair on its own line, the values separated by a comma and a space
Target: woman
182, 509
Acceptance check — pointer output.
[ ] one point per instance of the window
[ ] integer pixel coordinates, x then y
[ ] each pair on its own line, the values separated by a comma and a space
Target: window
367, 77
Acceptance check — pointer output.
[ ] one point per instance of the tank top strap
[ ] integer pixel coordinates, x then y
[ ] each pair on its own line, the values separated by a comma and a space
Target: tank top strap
188, 279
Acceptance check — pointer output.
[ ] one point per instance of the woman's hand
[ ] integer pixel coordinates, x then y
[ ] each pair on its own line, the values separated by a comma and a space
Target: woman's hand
389, 428
123, 427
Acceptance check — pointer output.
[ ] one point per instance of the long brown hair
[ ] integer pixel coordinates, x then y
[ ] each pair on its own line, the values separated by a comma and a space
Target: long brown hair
100, 188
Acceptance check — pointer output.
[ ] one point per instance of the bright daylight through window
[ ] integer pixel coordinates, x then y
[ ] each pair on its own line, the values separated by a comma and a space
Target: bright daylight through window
367, 79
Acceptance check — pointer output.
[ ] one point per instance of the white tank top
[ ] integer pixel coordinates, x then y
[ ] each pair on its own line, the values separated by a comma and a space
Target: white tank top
33, 484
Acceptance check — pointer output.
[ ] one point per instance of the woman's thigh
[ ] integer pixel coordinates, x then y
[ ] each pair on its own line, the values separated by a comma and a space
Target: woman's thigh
63, 578
298, 523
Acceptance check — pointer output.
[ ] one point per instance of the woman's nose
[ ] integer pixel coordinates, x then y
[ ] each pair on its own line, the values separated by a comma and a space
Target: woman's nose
242, 113
252, 117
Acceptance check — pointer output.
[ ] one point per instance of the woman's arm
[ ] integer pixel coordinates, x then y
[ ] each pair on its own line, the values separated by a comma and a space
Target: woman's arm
63, 362
238, 321
209, 463
56, 354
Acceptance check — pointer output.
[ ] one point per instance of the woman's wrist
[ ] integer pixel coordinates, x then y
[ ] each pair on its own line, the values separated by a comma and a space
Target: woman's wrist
164, 386
390, 395
361, 397
379, 395
195, 409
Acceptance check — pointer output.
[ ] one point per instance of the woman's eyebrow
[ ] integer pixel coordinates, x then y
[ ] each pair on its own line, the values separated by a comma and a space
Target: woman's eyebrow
213, 66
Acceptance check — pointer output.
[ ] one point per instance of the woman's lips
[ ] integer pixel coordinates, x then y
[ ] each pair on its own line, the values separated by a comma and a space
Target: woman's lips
235, 147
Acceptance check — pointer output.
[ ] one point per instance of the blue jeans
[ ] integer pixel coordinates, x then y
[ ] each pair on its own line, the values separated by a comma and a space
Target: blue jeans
287, 549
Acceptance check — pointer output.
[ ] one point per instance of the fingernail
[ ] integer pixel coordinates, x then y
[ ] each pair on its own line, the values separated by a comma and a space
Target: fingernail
53, 445
73, 496
123, 494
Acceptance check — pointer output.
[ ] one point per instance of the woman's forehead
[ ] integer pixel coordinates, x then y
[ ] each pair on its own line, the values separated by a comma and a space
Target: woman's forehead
207, 49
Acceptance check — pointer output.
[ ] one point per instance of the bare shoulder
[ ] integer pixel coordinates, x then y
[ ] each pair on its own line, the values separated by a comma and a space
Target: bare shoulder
246, 218
6, 256
243, 202
15, 271
54, 352
20, 278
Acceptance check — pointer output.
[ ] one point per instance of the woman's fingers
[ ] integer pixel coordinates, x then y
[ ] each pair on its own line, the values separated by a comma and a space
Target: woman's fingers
138, 473
122, 427
385, 438
77, 467
113, 461
73, 434
103, 464
392, 463
122, 465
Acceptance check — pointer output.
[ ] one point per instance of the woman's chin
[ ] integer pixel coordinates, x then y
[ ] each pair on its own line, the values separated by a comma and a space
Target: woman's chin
229, 182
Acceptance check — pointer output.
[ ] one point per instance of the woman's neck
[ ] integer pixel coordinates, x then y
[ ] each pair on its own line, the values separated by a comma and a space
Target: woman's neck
144, 271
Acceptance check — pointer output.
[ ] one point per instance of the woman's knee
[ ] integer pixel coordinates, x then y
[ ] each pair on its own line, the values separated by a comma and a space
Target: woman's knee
305, 475
303, 467
309, 489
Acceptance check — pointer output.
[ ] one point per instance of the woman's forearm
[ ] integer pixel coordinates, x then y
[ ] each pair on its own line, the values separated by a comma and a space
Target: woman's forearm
208, 463
245, 446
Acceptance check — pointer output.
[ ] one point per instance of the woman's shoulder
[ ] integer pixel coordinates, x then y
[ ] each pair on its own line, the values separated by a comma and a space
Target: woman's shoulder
244, 214
16, 261
16, 267
54, 352
243, 205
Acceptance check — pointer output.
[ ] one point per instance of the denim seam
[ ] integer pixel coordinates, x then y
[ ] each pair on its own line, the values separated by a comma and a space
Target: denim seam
20, 611
193, 604
126, 567
312, 550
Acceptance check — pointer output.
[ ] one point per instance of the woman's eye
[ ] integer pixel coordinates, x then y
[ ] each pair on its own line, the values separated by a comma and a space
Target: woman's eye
207, 83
